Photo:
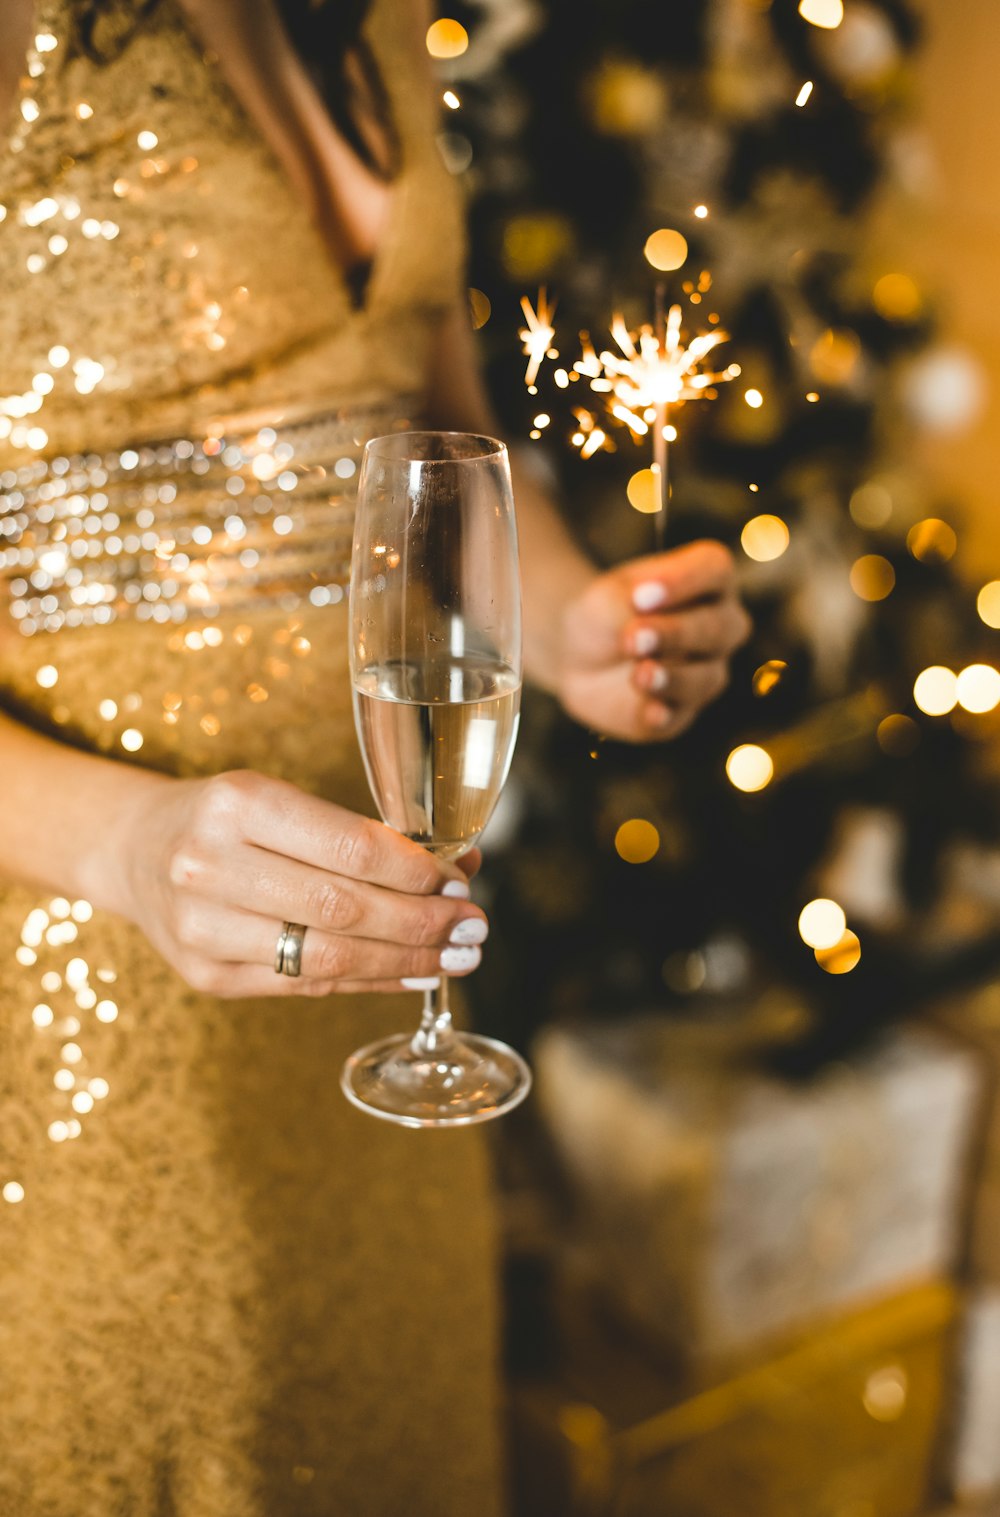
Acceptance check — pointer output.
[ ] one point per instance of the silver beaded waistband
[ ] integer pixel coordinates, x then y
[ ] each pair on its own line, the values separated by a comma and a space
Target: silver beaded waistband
163, 531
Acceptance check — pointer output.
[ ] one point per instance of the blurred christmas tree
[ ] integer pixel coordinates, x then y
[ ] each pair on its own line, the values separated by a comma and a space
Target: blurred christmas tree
852, 759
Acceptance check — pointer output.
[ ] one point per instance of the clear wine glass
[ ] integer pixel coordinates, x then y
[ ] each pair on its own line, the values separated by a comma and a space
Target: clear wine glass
436, 674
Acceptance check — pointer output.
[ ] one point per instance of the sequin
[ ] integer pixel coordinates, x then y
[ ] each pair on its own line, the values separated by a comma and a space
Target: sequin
155, 516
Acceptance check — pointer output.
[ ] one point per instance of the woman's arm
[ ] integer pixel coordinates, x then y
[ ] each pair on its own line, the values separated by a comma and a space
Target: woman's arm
209, 869
66, 816
635, 652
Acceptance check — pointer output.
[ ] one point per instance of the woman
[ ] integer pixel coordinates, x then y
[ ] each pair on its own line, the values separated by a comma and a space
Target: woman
223, 1290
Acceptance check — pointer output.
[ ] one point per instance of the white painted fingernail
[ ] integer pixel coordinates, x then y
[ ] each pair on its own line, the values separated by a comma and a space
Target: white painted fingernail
457, 888
429, 982
645, 641
650, 595
469, 930
659, 678
454, 960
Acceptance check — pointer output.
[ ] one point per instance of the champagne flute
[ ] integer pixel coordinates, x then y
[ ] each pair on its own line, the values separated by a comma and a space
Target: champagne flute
436, 675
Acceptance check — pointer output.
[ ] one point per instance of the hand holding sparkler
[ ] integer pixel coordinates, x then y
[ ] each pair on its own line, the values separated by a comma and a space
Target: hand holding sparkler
646, 645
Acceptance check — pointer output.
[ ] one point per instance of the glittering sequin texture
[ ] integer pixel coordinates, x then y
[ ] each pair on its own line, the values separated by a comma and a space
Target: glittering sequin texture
218, 1288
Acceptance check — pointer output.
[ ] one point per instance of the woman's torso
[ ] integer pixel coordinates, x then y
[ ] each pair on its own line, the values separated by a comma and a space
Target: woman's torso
165, 285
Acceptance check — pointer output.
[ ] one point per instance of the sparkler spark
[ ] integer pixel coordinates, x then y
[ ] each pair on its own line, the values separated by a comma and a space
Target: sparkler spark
537, 335
649, 371
654, 371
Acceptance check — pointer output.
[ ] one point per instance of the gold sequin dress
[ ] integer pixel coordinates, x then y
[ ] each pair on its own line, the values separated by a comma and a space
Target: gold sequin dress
223, 1292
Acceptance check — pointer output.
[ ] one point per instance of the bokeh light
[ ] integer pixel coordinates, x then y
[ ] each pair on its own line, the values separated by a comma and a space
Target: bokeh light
825, 13
988, 603
764, 538
480, 308
935, 690
978, 688
835, 355
643, 491
932, 541
749, 767
885, 1393
897, 735
896, 297
447, 38
666, 249
871, 505
768, 676
754, 399
637, 841
872, 577
533, 245
843, 956
822, 923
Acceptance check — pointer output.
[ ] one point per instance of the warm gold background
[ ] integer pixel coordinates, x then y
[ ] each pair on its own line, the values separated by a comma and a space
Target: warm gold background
955, 243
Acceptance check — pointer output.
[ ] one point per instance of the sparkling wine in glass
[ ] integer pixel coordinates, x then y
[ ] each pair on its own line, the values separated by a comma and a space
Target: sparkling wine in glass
436, 674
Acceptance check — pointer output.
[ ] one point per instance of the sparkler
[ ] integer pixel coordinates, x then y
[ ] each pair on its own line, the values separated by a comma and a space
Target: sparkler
652, 370
537, 335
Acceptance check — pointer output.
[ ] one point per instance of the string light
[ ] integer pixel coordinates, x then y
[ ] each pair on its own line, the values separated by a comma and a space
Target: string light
804, 93
896, 297
637, 841
447, 38
666, 249
480, 308
822, 923
885, 1393
768, 676
872, 577
823, 13
935, 690
978, 688
988, 603
764, 538
932, 541
643, 491
897, 734
749, 767
844, 956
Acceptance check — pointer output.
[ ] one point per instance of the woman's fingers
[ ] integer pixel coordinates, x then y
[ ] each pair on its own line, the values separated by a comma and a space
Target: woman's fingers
680, 685
286, 821
709, 631
267, 886
682, 575
220, 945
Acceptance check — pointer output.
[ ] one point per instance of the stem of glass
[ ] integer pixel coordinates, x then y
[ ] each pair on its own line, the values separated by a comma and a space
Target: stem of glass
435, 1030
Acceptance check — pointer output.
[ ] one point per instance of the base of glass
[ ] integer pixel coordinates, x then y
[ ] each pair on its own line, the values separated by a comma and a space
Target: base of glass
467, 1079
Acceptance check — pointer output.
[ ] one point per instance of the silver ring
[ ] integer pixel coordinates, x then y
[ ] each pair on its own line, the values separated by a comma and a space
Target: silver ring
288, 953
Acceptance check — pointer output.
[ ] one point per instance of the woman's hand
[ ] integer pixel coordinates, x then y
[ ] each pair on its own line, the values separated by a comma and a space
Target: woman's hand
214, 867
646, 645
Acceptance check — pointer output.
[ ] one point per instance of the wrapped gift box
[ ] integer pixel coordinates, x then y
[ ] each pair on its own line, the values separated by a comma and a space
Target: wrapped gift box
974, 1419
843, 1424
722, 1208
973, 1020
